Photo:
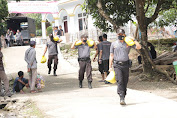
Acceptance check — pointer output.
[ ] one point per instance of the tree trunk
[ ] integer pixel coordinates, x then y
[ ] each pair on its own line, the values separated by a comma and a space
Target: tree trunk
142, 22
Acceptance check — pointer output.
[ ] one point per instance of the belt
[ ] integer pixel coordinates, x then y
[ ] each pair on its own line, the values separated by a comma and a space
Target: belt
84, 59
122, 63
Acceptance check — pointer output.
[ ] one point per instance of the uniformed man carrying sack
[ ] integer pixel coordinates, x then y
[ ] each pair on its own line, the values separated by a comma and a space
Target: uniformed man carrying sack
52, 54
84, 60
120, 60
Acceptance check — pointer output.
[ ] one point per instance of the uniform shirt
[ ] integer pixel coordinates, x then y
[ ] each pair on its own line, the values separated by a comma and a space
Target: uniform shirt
105, 47
30, 58
52, 48
120, 51
1, 62
18, 36
83, 51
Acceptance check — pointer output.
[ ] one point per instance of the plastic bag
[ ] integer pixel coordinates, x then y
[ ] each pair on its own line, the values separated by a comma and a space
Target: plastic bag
43, 60
90, 42
40, 82
111, 77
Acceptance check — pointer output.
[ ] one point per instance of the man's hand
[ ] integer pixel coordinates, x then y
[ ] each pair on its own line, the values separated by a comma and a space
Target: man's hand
94, 59
100, 61
110, 69
29, 69
26, 85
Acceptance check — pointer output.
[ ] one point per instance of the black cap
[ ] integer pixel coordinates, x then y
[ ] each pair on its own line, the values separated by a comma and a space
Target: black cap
120, 31
32, 43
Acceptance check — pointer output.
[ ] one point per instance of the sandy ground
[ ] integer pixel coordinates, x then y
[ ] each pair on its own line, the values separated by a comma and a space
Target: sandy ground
62, 98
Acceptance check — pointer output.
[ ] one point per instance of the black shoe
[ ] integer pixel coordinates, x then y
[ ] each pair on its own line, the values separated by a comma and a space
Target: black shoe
122, 102
49, 71
80, 84
106, 82
89, 84
54, 73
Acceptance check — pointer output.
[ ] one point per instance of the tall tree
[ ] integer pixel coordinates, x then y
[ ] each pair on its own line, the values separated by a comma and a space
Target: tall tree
110, 14
3, 14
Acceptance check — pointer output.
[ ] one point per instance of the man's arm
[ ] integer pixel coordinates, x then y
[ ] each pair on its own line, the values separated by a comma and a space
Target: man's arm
32, 58
95, 54
73, 45
111, 57
45, 51
21, 82
138, 46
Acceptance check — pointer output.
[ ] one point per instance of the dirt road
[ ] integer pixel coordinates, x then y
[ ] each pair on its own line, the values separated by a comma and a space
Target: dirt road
62, 98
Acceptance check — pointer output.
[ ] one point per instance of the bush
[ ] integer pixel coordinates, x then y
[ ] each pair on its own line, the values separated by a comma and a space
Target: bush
167, 42
49, 30
38, 32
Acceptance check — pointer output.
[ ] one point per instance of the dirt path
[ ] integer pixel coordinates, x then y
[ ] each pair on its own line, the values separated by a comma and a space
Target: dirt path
61, 98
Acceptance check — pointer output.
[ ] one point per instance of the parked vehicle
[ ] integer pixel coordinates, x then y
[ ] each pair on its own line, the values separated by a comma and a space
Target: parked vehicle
25, 24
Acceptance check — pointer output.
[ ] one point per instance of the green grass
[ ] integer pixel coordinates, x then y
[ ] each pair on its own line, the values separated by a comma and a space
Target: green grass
32, 110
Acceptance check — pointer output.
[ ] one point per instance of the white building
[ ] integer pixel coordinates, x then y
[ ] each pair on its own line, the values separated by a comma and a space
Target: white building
67, 13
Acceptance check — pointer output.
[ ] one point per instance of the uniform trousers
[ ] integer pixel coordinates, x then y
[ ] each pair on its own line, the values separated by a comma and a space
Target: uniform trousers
32, 78
50, 60
122, 77
3, 77
85, 66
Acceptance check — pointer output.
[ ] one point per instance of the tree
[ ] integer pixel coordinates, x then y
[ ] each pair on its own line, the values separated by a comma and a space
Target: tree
109, 15
37, 18
3, 15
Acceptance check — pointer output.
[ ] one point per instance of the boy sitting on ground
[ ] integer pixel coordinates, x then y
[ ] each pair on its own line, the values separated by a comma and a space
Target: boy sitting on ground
20, 83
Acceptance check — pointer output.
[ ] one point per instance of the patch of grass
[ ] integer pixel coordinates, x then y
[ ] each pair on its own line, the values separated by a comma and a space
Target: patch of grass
32, 110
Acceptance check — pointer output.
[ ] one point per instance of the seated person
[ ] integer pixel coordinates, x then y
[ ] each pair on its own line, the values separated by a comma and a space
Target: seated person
20, 83
152, 52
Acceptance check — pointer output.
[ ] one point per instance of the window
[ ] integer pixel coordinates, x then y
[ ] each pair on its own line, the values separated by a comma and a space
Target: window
82, 21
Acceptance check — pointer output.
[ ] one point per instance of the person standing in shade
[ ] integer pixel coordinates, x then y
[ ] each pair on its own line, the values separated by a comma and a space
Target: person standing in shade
120, 60
84, 60
3, 77
8, 34
30, 58
100, 65
19, 38
104, 55
61, 30
52, 54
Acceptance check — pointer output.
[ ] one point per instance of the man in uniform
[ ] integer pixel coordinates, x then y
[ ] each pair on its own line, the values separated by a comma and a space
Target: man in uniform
104, 55
30, 58
53, 54
19, 38
3, 77
84, 60
100, 65
120, 60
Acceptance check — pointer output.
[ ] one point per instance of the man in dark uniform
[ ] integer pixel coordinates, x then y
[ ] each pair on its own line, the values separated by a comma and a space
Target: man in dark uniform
100, 65
84, 60
53, 54
104, 55
120, 60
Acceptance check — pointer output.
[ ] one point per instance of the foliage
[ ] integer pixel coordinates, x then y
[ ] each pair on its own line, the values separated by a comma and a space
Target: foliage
166, 42
49, 30
119, 11
37, 18
39, 32
3, 15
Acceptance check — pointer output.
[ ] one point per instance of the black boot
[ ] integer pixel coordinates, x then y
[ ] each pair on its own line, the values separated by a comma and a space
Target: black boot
49, 71
89, 84
122, 100
54, 73
80, 84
